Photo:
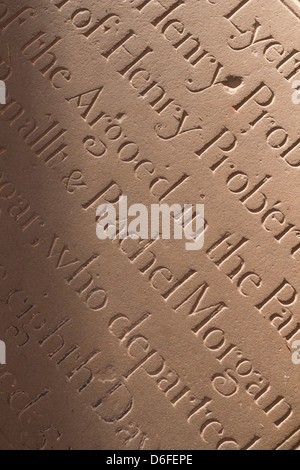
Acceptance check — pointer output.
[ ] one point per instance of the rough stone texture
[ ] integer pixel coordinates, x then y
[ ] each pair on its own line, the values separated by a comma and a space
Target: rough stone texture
107, 346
